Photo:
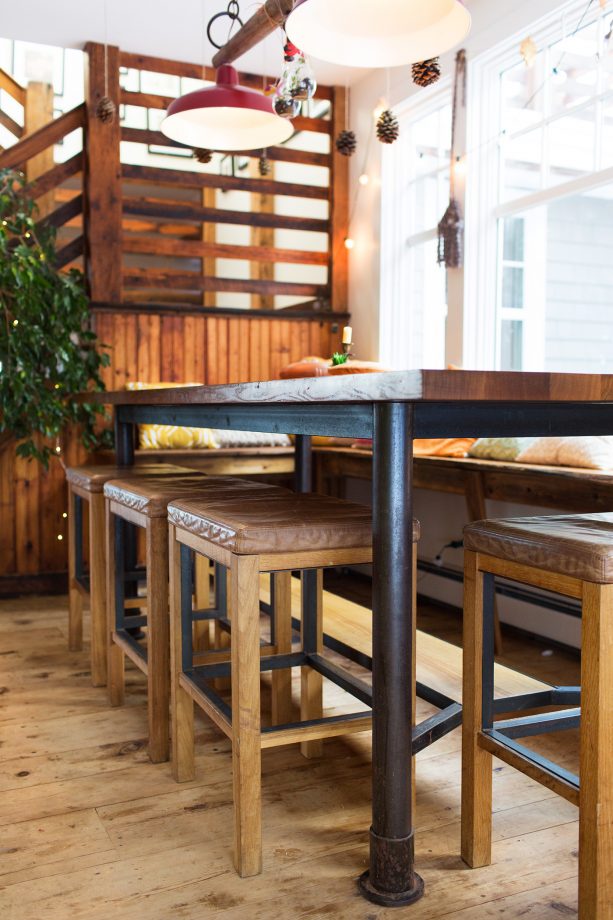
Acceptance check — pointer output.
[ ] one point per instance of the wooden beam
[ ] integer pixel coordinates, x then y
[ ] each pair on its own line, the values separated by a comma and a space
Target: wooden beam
263, 23
70, 252
298, 314
193, 281
7, 122
169, 246
339, 216
181, 178
45, 137
185, 211
103, 177
39, 113
10, 85
56, 176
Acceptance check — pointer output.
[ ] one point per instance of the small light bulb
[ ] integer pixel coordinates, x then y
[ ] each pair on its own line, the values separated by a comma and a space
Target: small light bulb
57, 386
65, 514
5, 223
364, 179
58, 449
27, 234
42, 257
60, 537
15, 322
349, 243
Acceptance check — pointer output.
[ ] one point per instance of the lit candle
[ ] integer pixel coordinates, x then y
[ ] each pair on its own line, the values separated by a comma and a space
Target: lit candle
347, 332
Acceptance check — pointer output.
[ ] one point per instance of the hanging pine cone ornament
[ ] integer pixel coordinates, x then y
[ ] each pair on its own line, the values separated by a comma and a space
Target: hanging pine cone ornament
264, 166
105, 110
203, 156
425, 73
388, 128
346, 143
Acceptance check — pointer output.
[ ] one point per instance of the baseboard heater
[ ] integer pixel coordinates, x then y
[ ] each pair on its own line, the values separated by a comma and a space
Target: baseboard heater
518, 592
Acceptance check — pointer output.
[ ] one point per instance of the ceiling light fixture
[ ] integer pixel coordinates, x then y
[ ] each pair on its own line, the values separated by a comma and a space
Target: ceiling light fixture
225, 116
353, 34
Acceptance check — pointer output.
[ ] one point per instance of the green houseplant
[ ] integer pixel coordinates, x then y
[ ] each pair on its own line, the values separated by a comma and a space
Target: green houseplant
47, 346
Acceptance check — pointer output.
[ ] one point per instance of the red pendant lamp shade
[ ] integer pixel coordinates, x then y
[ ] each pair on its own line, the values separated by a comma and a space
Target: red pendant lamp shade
388, 33
226, 116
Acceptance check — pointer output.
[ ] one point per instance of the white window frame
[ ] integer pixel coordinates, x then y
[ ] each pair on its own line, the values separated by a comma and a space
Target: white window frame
395, 318
481, 334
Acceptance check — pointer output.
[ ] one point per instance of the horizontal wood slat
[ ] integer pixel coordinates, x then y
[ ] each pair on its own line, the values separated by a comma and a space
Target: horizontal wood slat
185, 211
285, 154
63, 214
195, 71
192, 281
181, 178
167, 246
70, 252
7, 122
12, 87
33, 144
303, 312
56, 176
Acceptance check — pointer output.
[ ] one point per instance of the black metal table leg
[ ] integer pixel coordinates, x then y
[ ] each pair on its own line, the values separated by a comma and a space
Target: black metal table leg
124, 442
391, 880
303, 476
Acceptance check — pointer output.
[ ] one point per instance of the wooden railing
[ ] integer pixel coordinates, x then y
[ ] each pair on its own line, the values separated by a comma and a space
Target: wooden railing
14, 89
50, 182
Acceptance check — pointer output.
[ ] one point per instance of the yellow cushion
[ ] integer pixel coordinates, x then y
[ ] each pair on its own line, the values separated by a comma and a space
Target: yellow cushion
170, 437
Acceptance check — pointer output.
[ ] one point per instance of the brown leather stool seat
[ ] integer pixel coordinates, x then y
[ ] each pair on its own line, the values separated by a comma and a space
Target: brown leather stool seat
86, 483
570, 555
143, 501
251, 536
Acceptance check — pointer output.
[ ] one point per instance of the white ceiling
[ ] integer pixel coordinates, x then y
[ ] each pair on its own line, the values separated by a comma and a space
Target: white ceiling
156, 27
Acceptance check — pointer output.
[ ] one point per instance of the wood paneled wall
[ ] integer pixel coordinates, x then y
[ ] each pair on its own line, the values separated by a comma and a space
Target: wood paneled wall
154, 348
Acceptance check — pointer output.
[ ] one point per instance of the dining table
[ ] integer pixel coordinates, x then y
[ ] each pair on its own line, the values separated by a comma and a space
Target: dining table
393, 408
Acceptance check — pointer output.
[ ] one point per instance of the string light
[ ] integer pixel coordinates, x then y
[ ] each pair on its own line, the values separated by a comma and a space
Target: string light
15, 322
27, 234
64, 514
5, 223
349, 243
364, 179
60, 536
58, 449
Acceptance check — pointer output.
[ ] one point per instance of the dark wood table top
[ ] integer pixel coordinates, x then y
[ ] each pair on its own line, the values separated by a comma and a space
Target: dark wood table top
393, 386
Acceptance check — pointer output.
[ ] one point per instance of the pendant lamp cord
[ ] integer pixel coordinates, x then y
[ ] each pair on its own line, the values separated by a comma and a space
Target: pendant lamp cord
459, 82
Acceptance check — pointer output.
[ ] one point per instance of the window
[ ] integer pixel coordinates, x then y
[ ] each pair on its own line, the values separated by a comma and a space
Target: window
415, 194
539, 210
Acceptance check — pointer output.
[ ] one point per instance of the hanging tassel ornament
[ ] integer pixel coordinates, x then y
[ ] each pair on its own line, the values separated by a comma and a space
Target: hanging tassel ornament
388, 128
106, 108
264, 166
203, 156
346, 143
451, 226
425, 73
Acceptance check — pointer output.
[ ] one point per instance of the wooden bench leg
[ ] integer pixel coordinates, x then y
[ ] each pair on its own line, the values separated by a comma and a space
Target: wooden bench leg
97, 589
596, 760
158, 640
246, 743
115, 656
477, 511
476, 763
282, 711
181, 703
75, 600
311, 682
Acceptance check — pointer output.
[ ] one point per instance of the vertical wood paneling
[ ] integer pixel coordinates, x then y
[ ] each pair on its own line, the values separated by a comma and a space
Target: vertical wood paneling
150, 348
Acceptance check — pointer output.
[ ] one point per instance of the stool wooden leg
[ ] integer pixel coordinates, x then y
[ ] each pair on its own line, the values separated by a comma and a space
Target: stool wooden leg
158, 640
311, 682
282, 680
202, 628
181, 703
75, 600
476, 763
596, 763
115, 656
246, 745
97, 589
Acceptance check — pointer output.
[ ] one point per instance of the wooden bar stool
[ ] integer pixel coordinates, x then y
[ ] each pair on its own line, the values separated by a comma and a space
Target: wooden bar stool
571, 555
303, 532
143, 503
86, 484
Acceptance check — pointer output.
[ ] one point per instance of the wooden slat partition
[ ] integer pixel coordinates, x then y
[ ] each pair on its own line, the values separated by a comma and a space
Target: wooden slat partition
38, 141
170, 246
180, 211
12, 87
54, 177
7, 122
193, 281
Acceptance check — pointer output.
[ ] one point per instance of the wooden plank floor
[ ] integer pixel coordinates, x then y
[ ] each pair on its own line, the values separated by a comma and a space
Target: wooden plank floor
90, 830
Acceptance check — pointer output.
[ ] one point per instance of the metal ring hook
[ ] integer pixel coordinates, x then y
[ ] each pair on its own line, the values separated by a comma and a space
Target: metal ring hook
233, 13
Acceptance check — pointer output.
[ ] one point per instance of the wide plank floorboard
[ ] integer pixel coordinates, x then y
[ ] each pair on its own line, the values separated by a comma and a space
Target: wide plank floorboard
91, 830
